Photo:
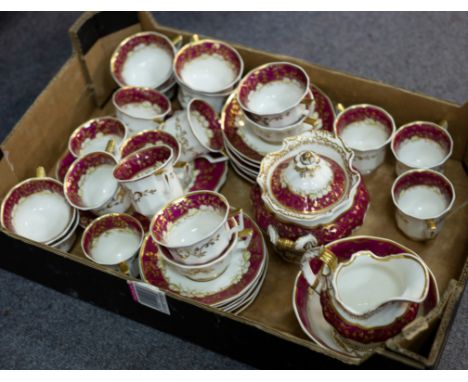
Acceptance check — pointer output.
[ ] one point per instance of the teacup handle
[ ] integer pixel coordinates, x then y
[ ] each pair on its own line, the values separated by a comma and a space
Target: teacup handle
178, 41
124, 268
431, 226
444, 124
240, 226
40, 172
221, 157
329, 264
340, 107
244, 237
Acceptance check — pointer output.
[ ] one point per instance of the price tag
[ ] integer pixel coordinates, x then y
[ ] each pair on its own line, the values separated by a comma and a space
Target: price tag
149, 296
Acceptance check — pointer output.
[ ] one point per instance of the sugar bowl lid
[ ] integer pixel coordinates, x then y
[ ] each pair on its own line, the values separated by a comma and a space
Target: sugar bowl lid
309, 177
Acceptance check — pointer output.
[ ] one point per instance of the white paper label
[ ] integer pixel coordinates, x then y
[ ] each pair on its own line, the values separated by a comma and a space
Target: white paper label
149, 296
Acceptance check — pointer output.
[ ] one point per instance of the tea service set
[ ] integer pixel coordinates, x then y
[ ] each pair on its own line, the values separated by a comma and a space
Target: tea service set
146, 183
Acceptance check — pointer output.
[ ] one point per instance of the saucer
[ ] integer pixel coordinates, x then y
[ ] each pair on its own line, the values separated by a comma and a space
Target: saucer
307, 305
208, 176
251, 147
241, 274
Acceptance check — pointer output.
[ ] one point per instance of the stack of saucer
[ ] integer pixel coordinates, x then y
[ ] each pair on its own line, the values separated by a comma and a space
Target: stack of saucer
198, 248
250, 133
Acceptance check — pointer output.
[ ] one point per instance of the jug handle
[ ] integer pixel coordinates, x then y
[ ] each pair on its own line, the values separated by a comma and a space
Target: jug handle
328, 261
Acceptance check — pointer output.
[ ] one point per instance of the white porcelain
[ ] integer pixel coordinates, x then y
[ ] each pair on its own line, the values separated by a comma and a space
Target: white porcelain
274, 94
367, 130
422, 199
195, 228
276, 135
143, 59
114, 240
89, 185
149, 177
198, 133
37, 210
94, 135
140, 108
208, 66
213, 268
421, 144
313, 159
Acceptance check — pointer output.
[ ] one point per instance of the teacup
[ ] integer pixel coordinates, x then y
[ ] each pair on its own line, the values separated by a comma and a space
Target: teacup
141, 108
148, 138
89, 185
195, 228
37, 209
367, 130
114, 240
421, 145
149, 177
144, 59
212, 269
422, 199
276, 134
208, 66
196, 129
274, 94
95, 134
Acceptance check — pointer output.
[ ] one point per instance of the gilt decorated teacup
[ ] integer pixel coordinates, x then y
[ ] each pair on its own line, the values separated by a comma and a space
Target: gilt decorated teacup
144, 59
37, 209
114, 240
422, 199
148, 138
208, 67
195, 227
274, 95
423, 145
206, 271
95, 134
367, 130
141, 108
89, 185
149, 177
196, 129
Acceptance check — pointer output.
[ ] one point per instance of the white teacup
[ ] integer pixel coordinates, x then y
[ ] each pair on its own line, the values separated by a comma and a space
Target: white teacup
195, 228
422, 199
95, 134
214, 268
274, 94
89, 185
144, 59
114, 240
367, 130
149, 177
37, 210
421, 145
196, 129
140, 108
148, 138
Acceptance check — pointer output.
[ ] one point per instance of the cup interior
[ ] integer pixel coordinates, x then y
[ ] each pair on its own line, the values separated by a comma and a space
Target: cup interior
141, 103
150, 138
203, 121
273, 88
149, 50
364, 127
112, 238
422, 145
423, 194
143, 163
37, 209
89, 182
190, 219
208, 66
95, 134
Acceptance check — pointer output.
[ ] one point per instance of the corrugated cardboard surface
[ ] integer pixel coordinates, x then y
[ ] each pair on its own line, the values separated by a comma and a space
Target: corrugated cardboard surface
69, 101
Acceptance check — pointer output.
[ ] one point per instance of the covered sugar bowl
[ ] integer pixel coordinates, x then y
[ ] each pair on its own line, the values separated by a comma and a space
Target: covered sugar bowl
309, 194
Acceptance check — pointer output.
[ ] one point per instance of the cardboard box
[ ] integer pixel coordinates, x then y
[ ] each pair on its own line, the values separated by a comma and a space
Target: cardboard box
267, 334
